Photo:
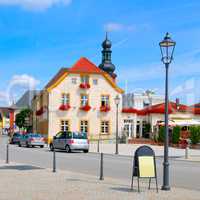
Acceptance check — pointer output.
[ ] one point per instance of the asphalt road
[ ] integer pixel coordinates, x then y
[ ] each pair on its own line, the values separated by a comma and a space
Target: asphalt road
183, 174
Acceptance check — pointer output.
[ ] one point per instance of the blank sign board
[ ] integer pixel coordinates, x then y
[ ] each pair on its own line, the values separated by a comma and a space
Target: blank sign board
146, 167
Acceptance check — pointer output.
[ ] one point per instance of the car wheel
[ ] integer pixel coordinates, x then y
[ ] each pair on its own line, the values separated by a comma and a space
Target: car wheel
51, 147
19, 144
85, 151
41, 146
27, 145
67, 149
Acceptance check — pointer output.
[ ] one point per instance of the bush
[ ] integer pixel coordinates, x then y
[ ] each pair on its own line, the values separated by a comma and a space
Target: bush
176, 135
195, 134
161, 134
147, 128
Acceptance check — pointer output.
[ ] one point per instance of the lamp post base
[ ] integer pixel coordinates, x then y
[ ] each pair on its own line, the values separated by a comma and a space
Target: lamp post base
165, 187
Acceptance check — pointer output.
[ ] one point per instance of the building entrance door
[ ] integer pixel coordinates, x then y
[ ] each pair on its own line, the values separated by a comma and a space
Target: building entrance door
128, 127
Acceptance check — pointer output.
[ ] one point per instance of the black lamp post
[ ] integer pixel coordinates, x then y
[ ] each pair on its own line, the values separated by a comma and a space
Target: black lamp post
167, 46
117, 101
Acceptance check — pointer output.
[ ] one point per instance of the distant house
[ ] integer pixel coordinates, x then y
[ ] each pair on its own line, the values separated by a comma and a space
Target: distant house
26, 99
6, 119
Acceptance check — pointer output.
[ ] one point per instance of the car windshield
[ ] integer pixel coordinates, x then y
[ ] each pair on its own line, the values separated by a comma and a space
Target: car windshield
77, 135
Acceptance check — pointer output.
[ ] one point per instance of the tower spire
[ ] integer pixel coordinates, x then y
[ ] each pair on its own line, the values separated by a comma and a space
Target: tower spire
106, 64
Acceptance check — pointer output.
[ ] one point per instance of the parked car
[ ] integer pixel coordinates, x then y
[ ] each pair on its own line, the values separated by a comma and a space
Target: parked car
32, 140
15, 138
70, 141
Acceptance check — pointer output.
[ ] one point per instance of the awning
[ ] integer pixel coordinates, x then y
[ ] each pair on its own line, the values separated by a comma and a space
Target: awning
186, 122
181, 122
170, 123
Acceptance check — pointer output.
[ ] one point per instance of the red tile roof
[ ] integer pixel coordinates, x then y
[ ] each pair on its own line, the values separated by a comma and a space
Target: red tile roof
130, 110
84, 65
196, 108
159, 109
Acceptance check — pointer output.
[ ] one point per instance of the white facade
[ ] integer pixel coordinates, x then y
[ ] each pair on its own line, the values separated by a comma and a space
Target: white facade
74, 115
141, 100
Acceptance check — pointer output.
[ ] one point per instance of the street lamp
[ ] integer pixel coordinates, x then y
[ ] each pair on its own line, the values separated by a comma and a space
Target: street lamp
117, 101
167, 46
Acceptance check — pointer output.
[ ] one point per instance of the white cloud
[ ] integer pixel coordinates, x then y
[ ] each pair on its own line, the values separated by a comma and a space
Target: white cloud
18, 84
24, 80
111, 27
34, 4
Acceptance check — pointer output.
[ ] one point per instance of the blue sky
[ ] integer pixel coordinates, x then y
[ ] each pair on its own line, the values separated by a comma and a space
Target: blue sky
38, 37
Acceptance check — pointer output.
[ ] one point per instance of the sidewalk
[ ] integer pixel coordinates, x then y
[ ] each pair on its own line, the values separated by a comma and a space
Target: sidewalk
24, 182
129, 149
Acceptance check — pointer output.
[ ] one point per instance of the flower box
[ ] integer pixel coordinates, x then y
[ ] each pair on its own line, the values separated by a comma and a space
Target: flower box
85, 108
64, 107
84, 86
105, 108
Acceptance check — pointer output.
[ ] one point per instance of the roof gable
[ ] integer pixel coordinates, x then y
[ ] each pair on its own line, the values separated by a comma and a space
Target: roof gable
84, 65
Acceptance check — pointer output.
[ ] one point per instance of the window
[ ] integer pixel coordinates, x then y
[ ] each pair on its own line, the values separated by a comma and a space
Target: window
84, 126
65, 99
84, 99
74, 80
77, 135
105, 127
105, 100
84, 79
95, 81
65, 125
61, 135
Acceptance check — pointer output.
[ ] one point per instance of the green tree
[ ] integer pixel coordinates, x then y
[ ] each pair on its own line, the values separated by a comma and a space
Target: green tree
176, 134
195, 134
161, 134
21, 118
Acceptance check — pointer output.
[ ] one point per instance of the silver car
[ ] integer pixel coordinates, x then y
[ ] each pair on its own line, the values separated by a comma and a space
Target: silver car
31, 140
70, 141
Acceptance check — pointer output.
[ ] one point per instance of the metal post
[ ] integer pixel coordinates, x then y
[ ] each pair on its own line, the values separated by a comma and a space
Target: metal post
7, 154
186, 152
117, 134
166, 142
54, 161
101, 167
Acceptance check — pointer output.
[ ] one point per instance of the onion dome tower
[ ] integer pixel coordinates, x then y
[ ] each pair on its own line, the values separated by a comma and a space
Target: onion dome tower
106, 64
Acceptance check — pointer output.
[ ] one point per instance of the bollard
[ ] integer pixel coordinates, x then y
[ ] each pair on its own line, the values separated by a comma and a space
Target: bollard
98, 146
187, 152
54, 161
7, 154
101, 167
